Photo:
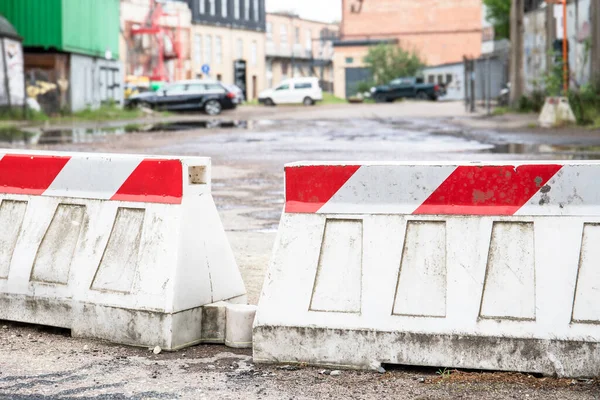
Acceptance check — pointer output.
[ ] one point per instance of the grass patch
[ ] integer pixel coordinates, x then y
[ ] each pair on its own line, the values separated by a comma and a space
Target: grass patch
501, 110
17, 115
329, 98
133, 128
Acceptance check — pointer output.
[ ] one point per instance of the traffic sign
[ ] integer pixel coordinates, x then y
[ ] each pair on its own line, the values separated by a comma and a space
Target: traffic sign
205, 69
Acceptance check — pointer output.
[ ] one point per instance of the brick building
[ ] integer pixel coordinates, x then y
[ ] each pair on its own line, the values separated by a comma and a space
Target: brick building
441, 31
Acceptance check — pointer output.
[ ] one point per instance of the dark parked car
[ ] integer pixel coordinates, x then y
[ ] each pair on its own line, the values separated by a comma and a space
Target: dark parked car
195, 95
406, 88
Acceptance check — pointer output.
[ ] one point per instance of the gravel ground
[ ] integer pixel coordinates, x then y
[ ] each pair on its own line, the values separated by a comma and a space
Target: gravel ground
45, 363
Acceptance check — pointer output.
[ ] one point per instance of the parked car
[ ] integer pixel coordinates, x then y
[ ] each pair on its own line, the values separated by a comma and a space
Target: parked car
293, 91
239, 93
201, 95
406, 88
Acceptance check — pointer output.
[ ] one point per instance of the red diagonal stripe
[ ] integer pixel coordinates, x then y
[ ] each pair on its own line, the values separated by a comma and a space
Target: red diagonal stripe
307, 188
487, 190
29, 174
153, 181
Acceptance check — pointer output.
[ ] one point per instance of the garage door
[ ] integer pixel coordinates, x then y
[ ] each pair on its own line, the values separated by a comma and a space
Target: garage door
353, 77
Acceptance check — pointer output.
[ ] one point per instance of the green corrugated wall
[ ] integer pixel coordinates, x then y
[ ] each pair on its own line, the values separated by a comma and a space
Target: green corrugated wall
79, 26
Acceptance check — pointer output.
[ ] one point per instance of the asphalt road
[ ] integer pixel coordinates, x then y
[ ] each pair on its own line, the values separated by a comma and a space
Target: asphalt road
248, 158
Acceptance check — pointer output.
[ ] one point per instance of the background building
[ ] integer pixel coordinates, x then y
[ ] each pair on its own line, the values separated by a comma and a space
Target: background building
69, 44
440, 31
228, 36
298, 47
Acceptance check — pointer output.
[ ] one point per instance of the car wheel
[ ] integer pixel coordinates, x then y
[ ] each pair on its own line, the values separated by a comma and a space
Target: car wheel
422, 96
212, 107
308, 101
269, 102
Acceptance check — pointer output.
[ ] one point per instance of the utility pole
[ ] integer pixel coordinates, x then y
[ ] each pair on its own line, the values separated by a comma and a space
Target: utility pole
550, 36
595, 35
516, 50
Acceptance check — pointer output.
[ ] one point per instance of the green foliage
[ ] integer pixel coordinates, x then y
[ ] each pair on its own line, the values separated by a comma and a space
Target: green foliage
553, 80
531, 103
364, 86
16, 114
444, 373
498, 14
388, 62
586, 103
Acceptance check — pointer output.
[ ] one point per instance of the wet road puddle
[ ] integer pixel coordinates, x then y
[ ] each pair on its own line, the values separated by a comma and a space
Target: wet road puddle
569, 152
364, 131
91, 135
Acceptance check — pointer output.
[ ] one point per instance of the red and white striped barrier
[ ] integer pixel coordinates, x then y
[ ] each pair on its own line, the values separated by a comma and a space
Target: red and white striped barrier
485, 266
126, 248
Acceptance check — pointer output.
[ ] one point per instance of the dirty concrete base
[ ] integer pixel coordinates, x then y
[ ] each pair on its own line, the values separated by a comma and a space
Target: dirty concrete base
169, 331
367, 348
46, 363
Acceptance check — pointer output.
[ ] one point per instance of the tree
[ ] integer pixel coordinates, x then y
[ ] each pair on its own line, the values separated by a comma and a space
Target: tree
388, 62
498, 14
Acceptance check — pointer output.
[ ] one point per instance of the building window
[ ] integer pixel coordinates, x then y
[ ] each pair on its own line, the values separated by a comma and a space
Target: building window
308, 40
201, 5
256, 11
198, 49
297, 36
218, 50
236, 9
440, 79
349, 60
224, 8
253, 51
448, 79
208, 50
431, 79
211, 4
240, 49
284, 38
247, 9
269, 32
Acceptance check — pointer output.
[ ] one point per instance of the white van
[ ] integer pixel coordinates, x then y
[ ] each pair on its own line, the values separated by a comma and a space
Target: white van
293, 91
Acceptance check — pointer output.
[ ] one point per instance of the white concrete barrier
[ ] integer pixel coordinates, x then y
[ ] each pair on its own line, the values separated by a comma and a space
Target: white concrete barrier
126, 248
466, 266
556, 111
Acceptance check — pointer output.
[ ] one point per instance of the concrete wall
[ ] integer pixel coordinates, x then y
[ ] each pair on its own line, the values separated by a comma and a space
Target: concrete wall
442, 31
93, 81
578, 34
221, 59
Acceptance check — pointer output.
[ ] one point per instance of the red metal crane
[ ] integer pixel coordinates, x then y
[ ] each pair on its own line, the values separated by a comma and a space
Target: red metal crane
163, 35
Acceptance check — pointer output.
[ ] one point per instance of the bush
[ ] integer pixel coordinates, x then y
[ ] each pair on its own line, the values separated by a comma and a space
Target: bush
531, 103
586, 103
